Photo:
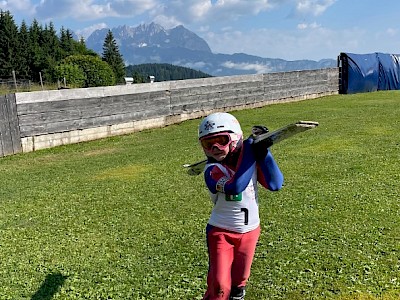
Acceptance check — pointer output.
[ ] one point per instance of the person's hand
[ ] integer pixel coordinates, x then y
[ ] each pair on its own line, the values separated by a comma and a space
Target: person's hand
260, 148
258, 129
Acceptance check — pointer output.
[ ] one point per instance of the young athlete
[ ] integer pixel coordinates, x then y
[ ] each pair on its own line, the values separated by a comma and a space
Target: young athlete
234, 166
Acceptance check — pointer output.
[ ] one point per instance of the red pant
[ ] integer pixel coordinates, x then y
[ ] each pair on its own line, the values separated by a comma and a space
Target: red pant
230, 258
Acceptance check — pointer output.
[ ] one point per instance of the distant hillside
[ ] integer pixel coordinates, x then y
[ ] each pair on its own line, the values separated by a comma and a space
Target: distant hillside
164, 72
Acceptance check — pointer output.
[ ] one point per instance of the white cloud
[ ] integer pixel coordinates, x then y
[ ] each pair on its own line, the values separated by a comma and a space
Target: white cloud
54, 9
208, 12
200, 9
196, 66
24, 6
131, 7
245, 7
258, 68
204, 28
167, 22
92, 10
86, 32
313, 7
392, 31
303, 26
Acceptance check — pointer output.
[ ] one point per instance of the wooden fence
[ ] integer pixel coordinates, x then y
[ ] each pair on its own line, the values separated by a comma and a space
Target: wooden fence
44, 119
10, 138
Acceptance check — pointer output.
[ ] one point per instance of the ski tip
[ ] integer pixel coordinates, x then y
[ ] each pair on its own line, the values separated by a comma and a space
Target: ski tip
193, 172
308, 123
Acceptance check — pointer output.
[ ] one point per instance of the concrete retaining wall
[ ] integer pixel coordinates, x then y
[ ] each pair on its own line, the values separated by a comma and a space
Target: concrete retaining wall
52, 118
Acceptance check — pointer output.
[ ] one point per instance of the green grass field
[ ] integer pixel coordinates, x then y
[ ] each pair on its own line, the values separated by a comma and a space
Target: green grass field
120, 219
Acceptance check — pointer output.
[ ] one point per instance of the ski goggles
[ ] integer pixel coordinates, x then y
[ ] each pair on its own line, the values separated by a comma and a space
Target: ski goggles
220, 140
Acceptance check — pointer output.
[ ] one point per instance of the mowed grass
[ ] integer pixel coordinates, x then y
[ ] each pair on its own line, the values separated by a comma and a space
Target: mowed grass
119, 218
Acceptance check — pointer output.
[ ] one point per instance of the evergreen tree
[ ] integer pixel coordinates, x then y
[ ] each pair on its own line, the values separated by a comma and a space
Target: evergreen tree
51, 51
9, 44
50, 42
80, 48
66, 42
36, 55
23, 69
112, 56
165, 72
35, 51
138, 78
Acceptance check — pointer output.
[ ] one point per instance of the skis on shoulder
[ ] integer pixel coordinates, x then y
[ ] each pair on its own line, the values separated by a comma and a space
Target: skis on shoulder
274, 137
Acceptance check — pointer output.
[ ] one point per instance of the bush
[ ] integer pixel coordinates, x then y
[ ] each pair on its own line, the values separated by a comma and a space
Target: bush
73, 74
85, 71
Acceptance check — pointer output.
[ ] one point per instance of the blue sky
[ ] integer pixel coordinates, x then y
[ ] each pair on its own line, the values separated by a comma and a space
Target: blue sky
287, 29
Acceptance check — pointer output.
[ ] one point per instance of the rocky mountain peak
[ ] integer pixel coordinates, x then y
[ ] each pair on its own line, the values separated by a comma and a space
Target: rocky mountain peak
149, 35
152, 43
150, 29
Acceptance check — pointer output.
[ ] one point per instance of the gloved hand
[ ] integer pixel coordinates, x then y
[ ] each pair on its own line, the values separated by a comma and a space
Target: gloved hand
260, 149
258, 129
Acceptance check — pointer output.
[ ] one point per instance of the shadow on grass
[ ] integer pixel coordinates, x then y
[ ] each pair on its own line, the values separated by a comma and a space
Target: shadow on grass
49, 287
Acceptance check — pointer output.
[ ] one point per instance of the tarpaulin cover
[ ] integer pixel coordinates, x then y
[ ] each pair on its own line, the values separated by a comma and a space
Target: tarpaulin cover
369, 72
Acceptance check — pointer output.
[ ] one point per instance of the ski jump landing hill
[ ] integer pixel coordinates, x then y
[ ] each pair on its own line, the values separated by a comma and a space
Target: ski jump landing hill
44, 119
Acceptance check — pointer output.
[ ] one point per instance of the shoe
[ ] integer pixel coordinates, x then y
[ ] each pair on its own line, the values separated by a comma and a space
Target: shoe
237, 293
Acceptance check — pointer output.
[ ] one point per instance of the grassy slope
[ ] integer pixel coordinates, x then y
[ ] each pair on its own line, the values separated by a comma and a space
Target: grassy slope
119, 218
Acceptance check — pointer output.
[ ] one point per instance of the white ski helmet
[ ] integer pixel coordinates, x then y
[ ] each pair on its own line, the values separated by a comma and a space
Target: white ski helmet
221, 122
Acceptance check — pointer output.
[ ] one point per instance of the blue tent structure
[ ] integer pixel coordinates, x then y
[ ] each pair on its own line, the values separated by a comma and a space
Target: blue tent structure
361, 73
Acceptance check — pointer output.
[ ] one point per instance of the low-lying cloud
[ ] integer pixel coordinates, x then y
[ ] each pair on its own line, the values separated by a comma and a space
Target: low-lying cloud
257, 68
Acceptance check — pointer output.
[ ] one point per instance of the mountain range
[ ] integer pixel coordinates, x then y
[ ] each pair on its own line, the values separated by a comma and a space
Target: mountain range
151, 43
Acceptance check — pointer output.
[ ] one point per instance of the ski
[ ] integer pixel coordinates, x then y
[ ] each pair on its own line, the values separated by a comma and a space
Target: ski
274, 137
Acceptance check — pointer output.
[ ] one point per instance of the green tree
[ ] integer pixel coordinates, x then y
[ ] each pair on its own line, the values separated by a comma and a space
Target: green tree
80, 48
137, 77
112, 56
95, 71
36, 55
164, 72
9, 44
23, 69
66, 42
36, 51
50, 42
51, 51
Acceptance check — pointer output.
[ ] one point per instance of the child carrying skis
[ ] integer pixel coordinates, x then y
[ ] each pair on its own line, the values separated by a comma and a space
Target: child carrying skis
233, 169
